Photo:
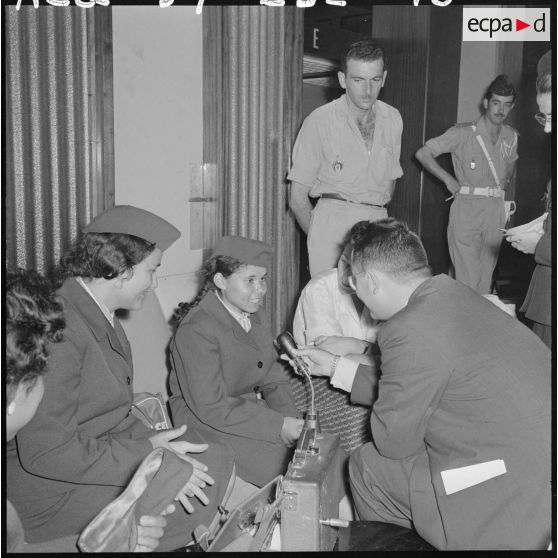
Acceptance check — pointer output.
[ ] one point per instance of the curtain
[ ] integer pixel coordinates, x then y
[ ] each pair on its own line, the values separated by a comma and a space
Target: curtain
58, 77
253, 55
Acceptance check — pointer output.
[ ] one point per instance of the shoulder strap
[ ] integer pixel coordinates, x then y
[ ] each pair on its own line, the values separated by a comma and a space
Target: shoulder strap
465, 125
487, 155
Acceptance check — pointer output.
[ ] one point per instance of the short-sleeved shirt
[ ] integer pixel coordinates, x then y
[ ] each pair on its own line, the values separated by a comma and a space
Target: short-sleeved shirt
330, 155
469, 161
323, 309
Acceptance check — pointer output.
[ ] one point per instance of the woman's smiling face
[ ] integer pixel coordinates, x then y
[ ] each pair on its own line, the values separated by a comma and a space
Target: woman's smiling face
136, 283
245, 288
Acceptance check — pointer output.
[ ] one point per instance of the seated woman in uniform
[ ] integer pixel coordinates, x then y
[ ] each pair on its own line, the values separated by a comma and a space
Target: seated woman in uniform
83, 445
225, 375
34, 319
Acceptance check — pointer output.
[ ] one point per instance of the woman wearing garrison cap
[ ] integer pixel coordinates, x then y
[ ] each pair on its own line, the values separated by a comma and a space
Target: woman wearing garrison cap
225, 375
83, 445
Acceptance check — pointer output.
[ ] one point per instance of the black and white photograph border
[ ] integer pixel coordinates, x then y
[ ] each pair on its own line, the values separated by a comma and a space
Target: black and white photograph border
191, 111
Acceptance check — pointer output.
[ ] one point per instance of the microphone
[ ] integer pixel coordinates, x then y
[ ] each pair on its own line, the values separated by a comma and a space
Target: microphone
286, 343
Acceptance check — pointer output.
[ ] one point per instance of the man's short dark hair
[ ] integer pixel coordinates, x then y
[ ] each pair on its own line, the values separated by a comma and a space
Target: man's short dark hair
544, 84
500, 86
390, 247
544, 74
366, 51
33, 320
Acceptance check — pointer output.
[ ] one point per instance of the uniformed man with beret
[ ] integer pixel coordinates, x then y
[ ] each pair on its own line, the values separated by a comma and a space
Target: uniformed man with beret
83, 445
484, 154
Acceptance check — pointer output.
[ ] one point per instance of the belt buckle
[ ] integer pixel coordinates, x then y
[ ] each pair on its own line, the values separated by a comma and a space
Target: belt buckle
491, 192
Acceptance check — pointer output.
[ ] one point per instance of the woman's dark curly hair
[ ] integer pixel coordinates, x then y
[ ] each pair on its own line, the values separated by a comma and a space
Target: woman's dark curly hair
217, 264
34, 318
104, 255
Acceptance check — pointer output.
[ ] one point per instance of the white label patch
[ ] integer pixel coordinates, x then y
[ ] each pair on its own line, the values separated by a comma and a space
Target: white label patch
464, 477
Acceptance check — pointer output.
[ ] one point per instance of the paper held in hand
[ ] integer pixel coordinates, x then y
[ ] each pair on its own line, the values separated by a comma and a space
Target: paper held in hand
536, 225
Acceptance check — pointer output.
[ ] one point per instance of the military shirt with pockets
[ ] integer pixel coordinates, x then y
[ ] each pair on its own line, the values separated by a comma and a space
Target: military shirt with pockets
330, 155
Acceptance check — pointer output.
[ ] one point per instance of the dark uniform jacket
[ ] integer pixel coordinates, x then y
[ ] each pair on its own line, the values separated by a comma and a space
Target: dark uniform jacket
217, 368
83, 445
462, 384
538, 302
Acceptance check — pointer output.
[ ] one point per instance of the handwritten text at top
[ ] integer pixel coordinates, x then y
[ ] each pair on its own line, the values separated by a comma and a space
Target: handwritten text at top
199, 6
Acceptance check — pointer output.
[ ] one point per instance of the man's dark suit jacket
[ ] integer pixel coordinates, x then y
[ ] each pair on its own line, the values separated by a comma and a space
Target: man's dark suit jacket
463, 384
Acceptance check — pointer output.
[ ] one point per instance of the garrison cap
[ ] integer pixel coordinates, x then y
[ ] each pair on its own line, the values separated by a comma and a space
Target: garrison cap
501, 86
544, 66
127, 219
246, 250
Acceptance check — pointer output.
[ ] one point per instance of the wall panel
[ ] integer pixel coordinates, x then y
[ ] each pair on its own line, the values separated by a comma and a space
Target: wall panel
442, 95
423, 45
261, 86
58, 153
403, 31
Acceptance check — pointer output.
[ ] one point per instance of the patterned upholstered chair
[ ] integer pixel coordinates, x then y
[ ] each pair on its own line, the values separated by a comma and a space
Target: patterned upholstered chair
325, 308
337, 414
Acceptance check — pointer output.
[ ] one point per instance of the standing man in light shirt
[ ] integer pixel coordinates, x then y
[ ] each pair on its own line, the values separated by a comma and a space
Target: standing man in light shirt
346, 155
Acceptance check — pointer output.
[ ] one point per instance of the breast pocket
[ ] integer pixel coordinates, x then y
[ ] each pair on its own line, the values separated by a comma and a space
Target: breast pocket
384, 164
341, 164
472, 161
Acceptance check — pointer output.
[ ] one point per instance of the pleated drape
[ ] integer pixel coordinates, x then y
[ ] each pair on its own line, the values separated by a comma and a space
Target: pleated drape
54, 175
261, 94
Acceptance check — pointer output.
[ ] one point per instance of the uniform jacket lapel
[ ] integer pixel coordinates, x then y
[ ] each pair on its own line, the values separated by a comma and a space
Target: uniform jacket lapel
215, 307
99, 325
120, 344
259, 333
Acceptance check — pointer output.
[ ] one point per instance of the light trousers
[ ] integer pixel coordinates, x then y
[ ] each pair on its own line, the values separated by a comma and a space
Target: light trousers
474, 239
330, 222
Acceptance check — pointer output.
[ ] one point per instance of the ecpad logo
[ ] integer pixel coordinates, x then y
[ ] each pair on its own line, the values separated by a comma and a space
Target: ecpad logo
506, 24
493, 25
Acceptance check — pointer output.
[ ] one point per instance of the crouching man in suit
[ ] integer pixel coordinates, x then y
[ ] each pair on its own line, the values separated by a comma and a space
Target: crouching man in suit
461, 416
